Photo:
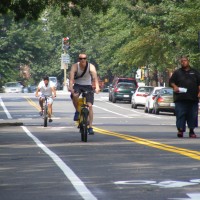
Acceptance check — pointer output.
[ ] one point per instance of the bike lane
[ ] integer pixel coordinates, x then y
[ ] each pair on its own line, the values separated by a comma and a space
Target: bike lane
27, 172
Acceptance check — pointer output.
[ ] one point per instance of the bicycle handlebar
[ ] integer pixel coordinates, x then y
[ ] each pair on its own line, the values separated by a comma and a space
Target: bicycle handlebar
86, 92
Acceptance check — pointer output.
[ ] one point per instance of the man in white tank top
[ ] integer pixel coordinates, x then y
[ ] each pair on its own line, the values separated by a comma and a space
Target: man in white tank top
81, 76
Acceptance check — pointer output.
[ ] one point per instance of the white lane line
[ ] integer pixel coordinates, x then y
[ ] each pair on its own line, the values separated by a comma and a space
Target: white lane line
111, 111
132, 110
74, 179
5, 109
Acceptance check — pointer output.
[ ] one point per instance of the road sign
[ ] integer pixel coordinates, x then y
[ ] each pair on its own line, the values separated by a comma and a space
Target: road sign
64, 65
65, 58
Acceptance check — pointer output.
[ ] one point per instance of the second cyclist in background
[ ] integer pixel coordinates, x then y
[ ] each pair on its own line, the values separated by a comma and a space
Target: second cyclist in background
46, 88
81, 76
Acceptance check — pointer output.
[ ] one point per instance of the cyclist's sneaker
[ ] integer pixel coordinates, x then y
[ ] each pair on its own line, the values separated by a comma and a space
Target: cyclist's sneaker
50, 120
90, 131
76, 116
192, 135
41, 113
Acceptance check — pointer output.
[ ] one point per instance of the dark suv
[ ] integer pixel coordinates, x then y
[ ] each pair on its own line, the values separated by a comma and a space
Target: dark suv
117, 80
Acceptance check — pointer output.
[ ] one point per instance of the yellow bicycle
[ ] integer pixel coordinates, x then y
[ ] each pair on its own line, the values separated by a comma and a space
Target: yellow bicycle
83, 117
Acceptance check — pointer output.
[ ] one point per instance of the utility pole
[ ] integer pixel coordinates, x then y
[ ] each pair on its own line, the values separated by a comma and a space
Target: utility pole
65, 60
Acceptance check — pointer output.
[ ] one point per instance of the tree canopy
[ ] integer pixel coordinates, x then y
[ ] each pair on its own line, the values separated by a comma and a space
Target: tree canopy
128, 35
32, 9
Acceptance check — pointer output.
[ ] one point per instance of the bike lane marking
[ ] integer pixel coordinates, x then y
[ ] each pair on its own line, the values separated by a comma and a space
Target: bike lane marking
73, 178
192, 196
166, 184
162, 184
186, 152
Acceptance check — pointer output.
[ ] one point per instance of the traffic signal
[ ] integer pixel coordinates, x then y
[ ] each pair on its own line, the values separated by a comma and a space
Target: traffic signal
65, 44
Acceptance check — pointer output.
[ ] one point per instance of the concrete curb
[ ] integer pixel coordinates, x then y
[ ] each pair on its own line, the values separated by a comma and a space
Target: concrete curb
13, 123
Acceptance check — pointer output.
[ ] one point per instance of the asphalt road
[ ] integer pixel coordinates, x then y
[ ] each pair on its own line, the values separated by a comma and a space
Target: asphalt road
132, 156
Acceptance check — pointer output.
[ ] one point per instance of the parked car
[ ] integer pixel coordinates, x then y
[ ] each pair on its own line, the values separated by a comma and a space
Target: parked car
148, 108
122, 92
117, 80
25, 89
105, 89
164, 101
12, 87
32, 88
55, 82
140, 95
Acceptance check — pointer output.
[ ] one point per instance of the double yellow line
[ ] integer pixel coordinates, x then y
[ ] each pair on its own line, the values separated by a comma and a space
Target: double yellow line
157, 145
32, 103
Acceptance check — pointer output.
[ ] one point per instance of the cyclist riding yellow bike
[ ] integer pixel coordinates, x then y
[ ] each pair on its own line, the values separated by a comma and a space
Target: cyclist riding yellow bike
46, 88
81, 76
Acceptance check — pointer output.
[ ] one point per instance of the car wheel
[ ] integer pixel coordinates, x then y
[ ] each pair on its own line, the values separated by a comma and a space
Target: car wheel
114, 100
156, 111
109, 98
150, 110
134, 106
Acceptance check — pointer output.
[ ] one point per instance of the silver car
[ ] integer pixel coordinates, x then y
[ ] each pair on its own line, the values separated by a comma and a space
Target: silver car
150, 100
12, 87
164, 101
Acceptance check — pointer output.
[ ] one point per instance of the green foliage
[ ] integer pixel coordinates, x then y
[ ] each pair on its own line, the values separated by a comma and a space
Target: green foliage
31, 9
130, 34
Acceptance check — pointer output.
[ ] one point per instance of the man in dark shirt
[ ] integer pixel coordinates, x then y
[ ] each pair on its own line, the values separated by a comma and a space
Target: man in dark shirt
185, 82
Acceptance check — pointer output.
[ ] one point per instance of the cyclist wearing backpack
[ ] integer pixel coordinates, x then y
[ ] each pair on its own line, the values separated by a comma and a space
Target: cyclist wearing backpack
81, 76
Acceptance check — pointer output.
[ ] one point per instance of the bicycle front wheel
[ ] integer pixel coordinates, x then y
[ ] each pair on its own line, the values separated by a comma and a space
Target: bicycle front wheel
45, 116
83, 124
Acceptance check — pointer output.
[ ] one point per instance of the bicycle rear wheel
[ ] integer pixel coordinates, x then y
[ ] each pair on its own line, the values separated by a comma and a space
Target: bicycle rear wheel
45, 116
83, 124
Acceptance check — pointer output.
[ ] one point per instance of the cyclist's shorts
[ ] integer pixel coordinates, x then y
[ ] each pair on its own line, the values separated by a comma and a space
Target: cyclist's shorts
49, 99
85, 88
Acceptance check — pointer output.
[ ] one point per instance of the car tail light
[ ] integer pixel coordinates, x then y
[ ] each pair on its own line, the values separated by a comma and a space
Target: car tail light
116, 90
160, 99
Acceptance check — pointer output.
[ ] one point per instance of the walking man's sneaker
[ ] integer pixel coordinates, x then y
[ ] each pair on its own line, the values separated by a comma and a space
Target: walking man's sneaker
76, 116
90, 131
50, 120
180, 134
192, 135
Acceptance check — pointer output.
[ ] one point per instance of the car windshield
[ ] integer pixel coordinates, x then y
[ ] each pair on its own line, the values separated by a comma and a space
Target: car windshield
12, 84
126, 80
126, 86
145, 89
53, 79
167, 91
157, 91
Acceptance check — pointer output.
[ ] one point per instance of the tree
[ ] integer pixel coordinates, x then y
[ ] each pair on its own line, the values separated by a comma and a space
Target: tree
32, 9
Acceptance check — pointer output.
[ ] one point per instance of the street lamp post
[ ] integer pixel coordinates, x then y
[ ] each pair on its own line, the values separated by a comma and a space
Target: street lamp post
65, 60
